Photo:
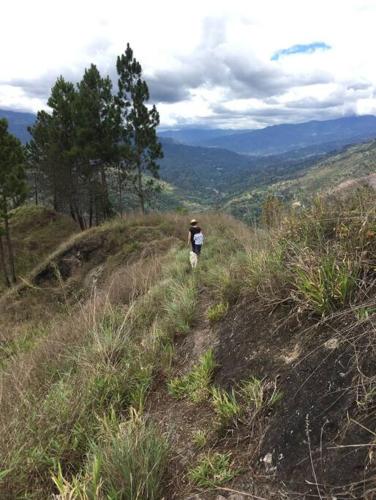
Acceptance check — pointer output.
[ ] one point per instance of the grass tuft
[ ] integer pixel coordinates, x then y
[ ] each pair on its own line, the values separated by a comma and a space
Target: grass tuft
217, 312
213, 469
195, 385
225, 405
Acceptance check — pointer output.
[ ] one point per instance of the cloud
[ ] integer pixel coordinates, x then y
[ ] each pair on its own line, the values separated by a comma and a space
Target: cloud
308, 48
206, 63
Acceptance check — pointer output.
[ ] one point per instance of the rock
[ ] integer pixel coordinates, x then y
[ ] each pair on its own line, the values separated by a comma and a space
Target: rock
268, 462
332, 343
236, 496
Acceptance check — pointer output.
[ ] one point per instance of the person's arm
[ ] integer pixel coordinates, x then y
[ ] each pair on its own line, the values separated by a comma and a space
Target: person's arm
189, 237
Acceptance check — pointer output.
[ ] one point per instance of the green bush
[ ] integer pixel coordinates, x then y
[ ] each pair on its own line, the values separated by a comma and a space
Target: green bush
259, 394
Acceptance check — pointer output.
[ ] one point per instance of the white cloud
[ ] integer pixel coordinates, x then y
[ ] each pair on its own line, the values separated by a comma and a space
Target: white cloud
208, 61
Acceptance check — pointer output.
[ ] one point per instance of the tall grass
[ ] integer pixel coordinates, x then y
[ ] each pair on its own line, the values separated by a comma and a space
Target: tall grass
90, 368
128, 461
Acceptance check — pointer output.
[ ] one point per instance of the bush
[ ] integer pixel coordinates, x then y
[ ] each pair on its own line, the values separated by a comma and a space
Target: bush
200, 438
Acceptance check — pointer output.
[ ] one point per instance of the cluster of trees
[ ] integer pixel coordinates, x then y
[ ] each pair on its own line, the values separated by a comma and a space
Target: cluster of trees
94, 137
91, 139
12, 192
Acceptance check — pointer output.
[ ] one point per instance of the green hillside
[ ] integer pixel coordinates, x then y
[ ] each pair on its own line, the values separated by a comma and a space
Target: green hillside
126, 375
353, 163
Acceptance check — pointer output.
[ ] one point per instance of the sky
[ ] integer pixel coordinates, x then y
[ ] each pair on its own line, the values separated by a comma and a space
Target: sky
221, 63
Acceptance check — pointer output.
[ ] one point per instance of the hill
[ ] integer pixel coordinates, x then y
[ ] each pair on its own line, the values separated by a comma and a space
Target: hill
126, 375
321, 177
209, 175
18, 123
324, 135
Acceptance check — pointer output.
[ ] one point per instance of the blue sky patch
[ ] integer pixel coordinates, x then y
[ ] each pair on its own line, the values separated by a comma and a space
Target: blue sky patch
307, 48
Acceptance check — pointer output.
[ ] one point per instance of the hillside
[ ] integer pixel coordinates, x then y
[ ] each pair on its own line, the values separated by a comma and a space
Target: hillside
36, 231
208, 175
322, 177
126, 375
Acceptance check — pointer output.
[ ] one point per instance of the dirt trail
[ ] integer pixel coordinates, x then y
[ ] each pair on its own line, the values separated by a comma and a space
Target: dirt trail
180, 419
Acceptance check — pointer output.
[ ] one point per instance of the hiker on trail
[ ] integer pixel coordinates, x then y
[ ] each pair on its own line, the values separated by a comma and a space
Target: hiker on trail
195, 237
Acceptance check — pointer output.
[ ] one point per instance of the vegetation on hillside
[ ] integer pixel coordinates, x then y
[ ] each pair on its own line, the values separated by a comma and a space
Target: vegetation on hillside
320, 177
254, 373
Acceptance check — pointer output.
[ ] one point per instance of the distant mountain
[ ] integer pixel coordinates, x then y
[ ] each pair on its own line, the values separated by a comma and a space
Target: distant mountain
196, 136
283, 138
18, 123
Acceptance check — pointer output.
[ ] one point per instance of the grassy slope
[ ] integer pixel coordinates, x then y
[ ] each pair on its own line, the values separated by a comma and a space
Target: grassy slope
159, 381
36, 231
355, 162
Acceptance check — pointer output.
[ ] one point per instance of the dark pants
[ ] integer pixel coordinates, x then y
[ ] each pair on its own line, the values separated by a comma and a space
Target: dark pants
196, 248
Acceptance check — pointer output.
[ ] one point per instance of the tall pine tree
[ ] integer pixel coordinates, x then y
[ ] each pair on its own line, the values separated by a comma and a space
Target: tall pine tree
97, 138
140, 122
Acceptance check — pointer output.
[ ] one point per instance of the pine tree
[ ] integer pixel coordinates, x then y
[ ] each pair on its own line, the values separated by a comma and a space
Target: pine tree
97, 137
139, 127
12, 191
40, 159
62, 137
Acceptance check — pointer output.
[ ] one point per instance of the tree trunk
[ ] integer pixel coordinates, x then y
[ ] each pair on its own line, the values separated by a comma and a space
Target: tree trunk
9, 242
140, 189
91, 208
36, 188
73, 215
105, 201
120, 186
3, 264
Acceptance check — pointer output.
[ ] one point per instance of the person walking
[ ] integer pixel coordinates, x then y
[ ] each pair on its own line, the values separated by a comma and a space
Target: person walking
195, 237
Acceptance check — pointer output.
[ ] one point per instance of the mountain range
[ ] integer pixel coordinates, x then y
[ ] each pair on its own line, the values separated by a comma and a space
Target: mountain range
328, 135
234, 169
18, 123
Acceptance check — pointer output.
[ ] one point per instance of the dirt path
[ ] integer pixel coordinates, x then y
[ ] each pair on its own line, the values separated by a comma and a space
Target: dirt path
180, 419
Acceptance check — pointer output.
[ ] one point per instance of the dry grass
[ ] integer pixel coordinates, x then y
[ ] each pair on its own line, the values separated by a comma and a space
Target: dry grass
95, 359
